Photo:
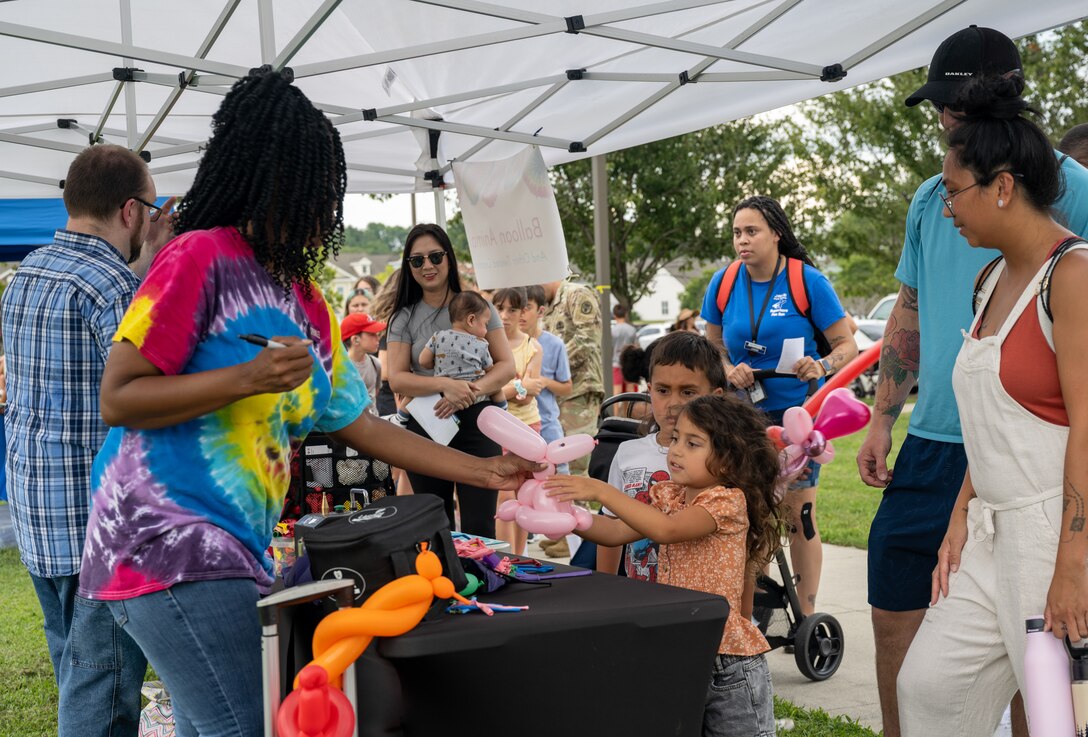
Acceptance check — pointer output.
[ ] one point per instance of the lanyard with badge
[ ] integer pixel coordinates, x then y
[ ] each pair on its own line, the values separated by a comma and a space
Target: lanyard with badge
756, 393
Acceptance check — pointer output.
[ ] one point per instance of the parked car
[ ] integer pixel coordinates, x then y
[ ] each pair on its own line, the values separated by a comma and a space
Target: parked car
872, 325
650, 332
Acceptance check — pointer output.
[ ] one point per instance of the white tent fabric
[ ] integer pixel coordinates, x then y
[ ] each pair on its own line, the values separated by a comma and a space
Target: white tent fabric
414, 84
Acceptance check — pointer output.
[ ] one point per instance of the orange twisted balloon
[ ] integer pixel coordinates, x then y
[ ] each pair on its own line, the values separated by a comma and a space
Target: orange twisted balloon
316, 708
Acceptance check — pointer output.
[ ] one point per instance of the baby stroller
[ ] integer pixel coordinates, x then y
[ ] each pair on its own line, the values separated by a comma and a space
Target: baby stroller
818, 638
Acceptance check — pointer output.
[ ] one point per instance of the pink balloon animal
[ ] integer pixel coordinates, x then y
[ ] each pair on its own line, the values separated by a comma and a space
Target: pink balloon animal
533, 509
804, 438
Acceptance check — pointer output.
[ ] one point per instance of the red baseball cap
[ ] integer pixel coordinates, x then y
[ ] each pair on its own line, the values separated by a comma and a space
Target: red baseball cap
359, 322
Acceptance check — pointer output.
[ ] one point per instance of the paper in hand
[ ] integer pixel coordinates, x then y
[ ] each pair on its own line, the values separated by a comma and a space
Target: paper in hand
440, 430
793, 350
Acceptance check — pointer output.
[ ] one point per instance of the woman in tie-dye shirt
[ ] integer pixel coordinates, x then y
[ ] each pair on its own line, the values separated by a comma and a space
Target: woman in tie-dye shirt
192, 477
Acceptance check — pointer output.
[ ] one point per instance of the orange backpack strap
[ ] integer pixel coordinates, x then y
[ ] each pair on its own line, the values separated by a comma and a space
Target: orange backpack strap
795, 277
725, 289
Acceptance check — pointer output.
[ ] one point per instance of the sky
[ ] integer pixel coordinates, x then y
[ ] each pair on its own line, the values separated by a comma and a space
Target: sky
360, 210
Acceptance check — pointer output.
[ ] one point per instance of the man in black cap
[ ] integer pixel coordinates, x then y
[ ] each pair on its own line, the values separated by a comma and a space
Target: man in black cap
922, 337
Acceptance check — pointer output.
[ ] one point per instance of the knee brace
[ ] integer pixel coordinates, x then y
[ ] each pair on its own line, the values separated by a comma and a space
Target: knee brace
807, 528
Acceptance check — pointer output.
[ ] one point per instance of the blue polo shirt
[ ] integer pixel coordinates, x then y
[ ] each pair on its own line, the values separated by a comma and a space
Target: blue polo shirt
781, 320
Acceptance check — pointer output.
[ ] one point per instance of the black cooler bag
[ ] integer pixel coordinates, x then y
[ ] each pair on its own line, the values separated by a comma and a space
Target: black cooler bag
380, 543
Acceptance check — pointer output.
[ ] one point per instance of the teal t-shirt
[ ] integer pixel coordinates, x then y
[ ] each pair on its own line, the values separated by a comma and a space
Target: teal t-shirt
939, 263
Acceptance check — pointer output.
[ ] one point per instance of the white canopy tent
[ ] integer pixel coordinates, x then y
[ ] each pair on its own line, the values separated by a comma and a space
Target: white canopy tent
415, 84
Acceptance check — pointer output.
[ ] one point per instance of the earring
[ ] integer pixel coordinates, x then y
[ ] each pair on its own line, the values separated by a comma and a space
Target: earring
1001, 203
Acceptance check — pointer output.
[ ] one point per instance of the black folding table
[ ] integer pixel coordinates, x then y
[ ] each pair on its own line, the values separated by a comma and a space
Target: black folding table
594, 655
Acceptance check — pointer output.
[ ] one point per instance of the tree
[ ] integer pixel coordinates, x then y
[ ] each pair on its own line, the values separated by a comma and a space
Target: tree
692, 296
670, 199
324, 283
375, 238
862, 153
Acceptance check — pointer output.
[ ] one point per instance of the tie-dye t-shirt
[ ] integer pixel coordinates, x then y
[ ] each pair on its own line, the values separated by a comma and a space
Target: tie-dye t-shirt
198, 501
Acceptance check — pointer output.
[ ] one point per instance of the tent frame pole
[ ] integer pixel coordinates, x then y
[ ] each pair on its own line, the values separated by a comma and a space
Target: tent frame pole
599, 170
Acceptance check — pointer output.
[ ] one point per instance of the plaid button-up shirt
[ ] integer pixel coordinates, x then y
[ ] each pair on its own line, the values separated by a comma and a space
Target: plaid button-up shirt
60, 313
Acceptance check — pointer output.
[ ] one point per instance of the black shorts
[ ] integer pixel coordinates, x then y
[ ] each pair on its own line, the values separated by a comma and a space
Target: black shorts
912, 521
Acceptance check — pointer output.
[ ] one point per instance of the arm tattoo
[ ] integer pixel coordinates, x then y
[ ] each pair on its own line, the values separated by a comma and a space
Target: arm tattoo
899, 360
910, 299
837, 360
1072, 496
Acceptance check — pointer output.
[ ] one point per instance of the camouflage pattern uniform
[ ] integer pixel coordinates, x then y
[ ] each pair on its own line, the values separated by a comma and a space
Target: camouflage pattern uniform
575, 316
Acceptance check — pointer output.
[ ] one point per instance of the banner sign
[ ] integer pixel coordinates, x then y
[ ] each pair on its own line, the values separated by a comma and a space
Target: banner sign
511, 220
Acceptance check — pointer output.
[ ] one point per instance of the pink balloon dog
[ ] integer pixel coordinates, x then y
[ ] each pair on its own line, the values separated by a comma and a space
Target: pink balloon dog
533, 509
804, 438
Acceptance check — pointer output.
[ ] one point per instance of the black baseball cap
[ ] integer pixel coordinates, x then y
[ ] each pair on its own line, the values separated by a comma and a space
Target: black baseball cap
961, 56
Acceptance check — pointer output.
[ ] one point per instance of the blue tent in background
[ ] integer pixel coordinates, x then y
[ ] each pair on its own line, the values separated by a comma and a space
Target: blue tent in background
27, 224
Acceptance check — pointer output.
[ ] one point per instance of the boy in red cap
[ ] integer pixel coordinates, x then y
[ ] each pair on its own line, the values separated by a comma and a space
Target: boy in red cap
359, 331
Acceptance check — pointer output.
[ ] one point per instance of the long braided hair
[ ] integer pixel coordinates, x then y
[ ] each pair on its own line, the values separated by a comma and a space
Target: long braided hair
772, 212
274, 168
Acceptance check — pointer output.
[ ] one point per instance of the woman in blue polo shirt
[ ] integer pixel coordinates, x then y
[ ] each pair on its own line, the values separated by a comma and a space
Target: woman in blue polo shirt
764, 303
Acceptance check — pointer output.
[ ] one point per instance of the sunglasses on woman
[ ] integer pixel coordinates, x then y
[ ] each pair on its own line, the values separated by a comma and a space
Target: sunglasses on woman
435, 257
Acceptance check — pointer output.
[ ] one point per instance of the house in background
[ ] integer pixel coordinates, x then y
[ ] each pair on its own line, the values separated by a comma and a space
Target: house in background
662, 302
348, 267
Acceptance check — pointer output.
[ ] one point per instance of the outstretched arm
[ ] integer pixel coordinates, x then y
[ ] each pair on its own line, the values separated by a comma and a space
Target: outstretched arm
646, 521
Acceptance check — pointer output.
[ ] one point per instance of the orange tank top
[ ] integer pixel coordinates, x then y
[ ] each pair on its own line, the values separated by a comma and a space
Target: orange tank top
1029, 368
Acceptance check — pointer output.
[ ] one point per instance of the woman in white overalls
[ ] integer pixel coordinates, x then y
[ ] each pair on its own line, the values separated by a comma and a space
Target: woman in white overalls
1016, 544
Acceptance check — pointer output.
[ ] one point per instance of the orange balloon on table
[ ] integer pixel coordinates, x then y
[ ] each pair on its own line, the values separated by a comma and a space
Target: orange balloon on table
317, 707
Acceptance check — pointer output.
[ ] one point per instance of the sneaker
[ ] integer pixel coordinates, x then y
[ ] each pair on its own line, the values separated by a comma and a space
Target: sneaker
783, 725
559, 550
547, 542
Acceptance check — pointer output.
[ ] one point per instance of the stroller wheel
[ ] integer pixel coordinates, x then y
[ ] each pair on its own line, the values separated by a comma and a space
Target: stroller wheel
818, 646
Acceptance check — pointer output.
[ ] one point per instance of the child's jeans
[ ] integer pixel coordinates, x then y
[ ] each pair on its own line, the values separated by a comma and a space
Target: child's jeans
739, 700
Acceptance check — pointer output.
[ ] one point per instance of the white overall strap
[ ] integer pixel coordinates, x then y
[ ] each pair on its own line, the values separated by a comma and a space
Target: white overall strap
1044, 321
982, 297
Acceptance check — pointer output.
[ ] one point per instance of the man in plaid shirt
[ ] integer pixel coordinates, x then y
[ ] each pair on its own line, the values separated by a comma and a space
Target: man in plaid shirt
60, 313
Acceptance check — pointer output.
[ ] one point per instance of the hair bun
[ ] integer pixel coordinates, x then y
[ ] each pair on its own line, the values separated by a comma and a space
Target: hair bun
993, 96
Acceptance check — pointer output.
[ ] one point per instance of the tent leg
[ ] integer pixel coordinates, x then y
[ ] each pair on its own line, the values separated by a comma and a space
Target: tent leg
604, 272
440, 207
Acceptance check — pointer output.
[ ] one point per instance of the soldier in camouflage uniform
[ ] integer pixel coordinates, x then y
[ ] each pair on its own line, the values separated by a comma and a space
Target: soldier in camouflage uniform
574, 314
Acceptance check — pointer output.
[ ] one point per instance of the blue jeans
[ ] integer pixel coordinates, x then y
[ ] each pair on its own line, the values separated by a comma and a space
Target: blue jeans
740, 700
99, 669
204, 640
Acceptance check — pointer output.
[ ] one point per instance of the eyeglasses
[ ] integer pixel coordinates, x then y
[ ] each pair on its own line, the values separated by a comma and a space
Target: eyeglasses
435, 257
362, 293
940, 107
153, 211
947, 197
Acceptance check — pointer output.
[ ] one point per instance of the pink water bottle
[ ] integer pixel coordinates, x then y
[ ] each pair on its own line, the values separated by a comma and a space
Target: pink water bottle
1048, 698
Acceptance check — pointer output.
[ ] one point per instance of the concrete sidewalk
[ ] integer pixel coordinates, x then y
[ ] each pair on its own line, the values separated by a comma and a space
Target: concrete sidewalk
852, 690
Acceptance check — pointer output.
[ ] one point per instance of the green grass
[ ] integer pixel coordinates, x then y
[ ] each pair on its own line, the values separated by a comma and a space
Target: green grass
28, 698
818, 723
844, 505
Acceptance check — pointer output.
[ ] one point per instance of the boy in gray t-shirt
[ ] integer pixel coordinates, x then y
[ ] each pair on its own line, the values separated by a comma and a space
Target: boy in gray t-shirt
461, 352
